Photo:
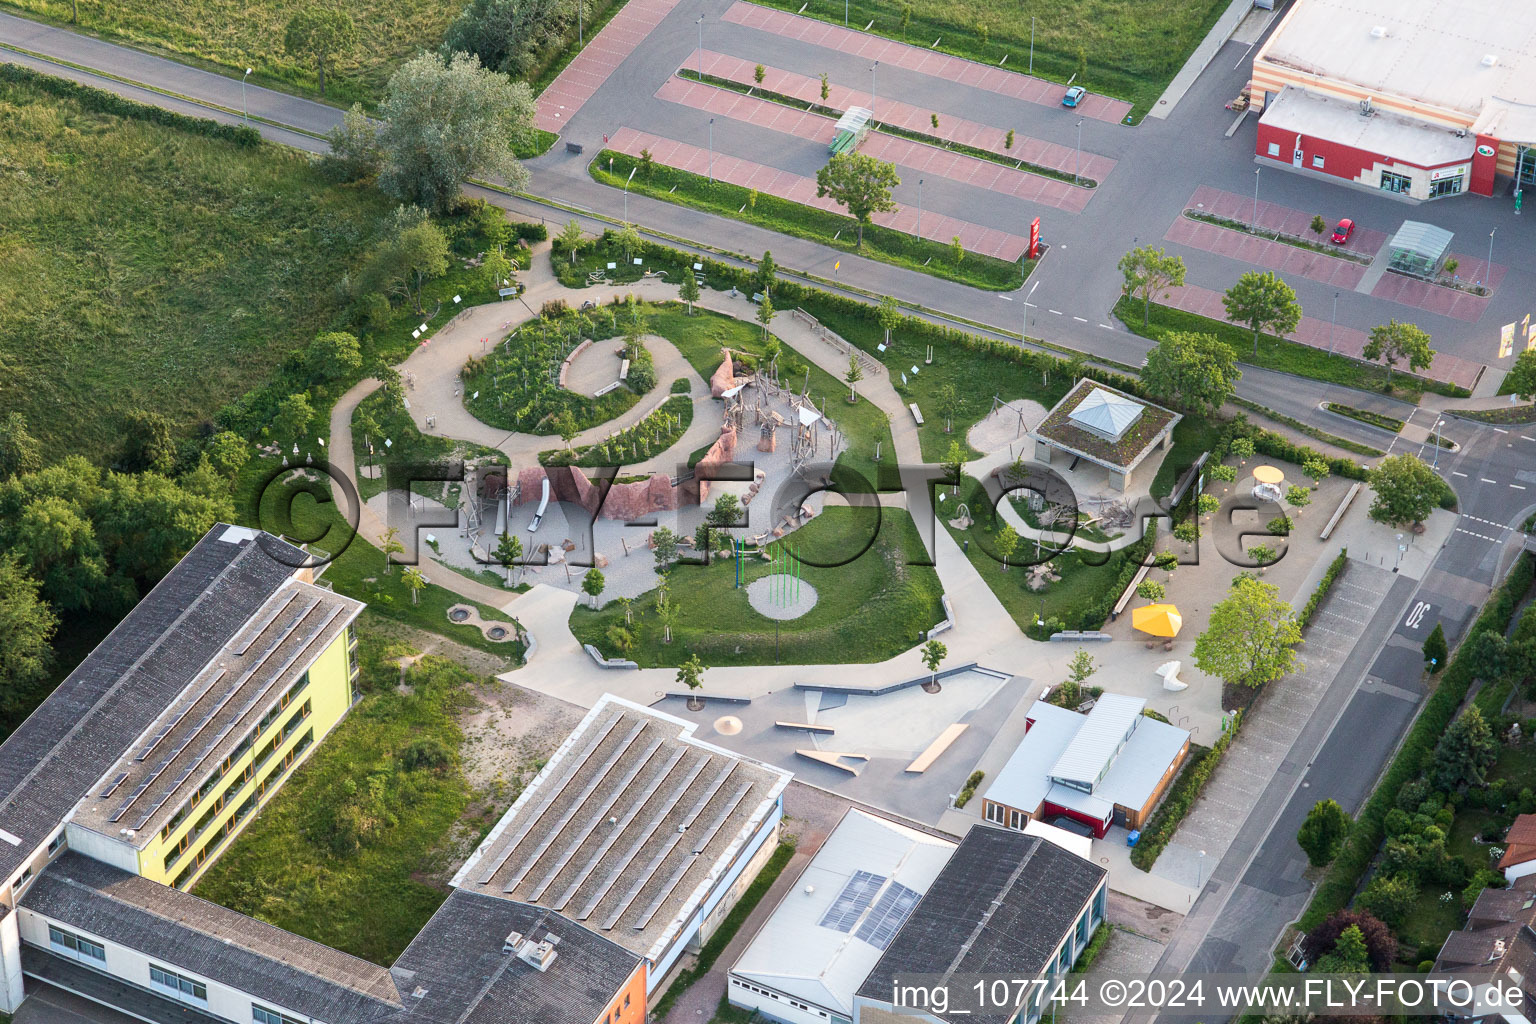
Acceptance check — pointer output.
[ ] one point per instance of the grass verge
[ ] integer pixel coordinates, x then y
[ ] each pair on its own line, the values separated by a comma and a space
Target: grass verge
831, 229
1286, 356
726, 932
875, 599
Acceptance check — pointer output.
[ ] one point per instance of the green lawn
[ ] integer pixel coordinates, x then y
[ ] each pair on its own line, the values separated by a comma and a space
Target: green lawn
823, 226
143, 266
336, 856
1125, 48
650, 437
1278, 354
870, 609
409, 445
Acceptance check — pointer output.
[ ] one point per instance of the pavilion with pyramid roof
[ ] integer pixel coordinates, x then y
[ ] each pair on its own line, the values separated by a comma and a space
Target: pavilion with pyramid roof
1106, 427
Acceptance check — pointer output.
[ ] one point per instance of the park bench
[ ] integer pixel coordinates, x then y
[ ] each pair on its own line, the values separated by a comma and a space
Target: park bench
624, 370
917, 414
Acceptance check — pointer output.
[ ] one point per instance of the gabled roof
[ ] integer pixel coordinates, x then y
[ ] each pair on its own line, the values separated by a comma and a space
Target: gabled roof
1105, 728
53, 759
1519, 842
803, 952
458, 960
999, 908
210, 941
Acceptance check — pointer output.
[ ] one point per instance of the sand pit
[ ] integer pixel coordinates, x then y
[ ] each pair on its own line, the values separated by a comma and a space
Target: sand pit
1001, 429
781, 597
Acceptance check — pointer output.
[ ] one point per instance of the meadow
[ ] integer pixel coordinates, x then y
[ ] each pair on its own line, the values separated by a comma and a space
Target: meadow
146, 266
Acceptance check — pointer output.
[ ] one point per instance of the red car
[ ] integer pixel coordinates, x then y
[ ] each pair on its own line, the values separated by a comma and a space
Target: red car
1343, 231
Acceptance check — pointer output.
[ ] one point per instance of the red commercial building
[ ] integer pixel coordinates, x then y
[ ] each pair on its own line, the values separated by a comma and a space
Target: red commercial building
1424, 98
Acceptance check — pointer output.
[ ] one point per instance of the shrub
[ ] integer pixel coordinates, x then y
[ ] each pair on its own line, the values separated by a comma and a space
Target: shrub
1186, 790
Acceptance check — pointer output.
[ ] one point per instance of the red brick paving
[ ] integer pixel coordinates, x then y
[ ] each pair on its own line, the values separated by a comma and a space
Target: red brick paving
1279, 218
1317, 333
904, 115
917, 156
584, 75
1263, 252
1011, 84
798, 189
1438, 298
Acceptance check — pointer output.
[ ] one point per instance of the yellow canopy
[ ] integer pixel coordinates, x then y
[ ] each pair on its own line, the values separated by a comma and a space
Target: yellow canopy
1268, 474
1157, 619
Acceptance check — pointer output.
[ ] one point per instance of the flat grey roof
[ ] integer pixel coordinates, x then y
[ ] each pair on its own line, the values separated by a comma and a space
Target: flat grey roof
1399, 138
627, 826
64, 747
221, 705
210, 941
1429, 51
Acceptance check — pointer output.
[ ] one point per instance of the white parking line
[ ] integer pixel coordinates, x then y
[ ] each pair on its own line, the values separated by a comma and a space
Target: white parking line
1456, 473
1500, 430
1081, 319
1056, 311
1517, 487
1031, 305
1528, 437
1486, 480
1106, 327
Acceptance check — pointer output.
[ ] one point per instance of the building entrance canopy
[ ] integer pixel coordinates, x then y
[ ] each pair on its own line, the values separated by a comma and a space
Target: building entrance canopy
1417, 248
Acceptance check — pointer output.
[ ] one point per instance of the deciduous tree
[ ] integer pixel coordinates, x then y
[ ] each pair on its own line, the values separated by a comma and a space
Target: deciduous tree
1406, 489
1252, 635
147, 443
1263, 302
853, 376
415, 581
354, 154
691, 672
1195, 372
860, 184
20, 452
319, 33
27, 626
934, 653
571, 238
333, 355
1147, 273
448, 121
592, 584
1521, 380
1395, 340
688, 291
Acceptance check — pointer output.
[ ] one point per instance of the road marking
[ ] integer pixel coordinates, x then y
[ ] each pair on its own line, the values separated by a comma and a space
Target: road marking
1106, 327
1488, 522
1486, 480
1517, 487
1081, 319
1500, 430
1006, 298
1031, 305
1455, 473
1479, 536
1056, 311
1528, 437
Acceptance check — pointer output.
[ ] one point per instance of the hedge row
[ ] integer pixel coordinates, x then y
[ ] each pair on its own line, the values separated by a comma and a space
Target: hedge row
1338, 886
1159, 832
1323, 586
105, 102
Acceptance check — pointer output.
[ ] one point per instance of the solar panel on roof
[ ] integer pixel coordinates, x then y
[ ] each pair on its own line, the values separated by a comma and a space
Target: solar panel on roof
117, 780
851, 903
890, 913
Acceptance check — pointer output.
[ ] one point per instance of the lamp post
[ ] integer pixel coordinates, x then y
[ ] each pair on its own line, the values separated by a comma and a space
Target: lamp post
1031, 44
873, 68
580, 38
711, 151
701, 47
1401, 547
1488, 277
627, 180
1027, 297
1438, 424
845, 13
245, 110
1334, 322
919, 207
1255, 223
1078, 165
1200, 872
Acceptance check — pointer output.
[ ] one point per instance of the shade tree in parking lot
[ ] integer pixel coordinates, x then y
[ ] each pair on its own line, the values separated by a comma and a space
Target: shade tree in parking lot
1148, 273
1521, 380
1252, 635
1406, 490
860, 184
1263, 302
447, 121
1195, 372
1395, 340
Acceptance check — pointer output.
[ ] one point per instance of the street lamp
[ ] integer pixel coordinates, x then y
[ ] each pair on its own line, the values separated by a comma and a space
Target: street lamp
701, 47
845, 13
245, 110
627, 180
1031, 44
1027, 297
1078, 166
1489, 276
919, 207
1255, 224
711, 151
1334, 322
580, 39
1401, 547
1438, 424
872, 88
1200, 872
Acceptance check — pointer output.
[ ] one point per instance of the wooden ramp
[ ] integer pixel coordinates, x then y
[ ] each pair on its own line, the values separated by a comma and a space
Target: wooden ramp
833, 759
926, 758
822, 730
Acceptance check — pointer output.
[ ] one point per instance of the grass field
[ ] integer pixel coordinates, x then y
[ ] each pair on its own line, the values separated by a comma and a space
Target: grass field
1125, 48
1279, 354
336, 856
146, 267
870, 609
823, 226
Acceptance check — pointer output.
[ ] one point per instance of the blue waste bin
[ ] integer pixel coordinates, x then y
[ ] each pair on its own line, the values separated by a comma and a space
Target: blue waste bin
1132, 839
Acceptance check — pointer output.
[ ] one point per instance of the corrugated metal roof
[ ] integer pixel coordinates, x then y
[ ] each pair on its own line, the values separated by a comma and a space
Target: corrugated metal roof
1097, 742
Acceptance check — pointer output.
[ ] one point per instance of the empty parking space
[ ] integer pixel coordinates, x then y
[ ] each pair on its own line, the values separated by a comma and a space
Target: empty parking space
928, 62
585, 74
1442, 299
